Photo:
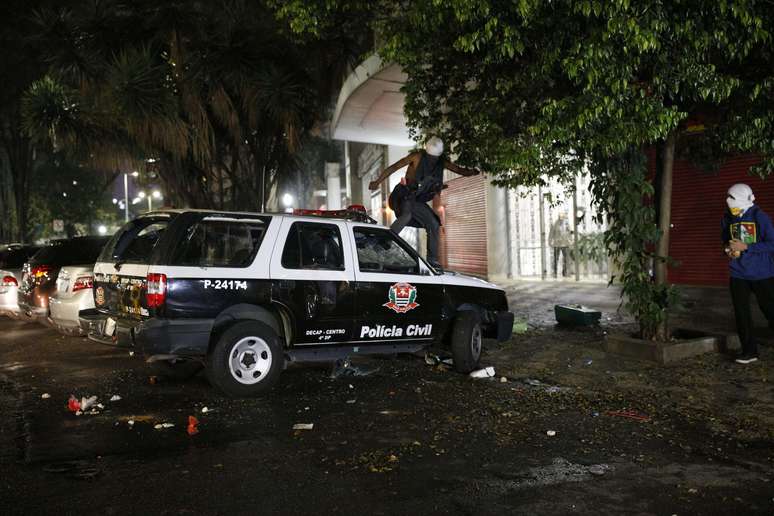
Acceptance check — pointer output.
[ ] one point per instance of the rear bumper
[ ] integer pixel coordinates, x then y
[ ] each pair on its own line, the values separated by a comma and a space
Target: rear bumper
65, 311
184, 337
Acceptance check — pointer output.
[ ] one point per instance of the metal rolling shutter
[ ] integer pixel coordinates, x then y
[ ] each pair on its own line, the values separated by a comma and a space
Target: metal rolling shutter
463, 242
698, 202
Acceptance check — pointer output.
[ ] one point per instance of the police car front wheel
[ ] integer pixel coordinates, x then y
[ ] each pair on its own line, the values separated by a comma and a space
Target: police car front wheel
247, 360
466, 341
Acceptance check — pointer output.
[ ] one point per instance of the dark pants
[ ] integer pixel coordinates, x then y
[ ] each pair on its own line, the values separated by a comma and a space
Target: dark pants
565, 255
419, 214
740, 295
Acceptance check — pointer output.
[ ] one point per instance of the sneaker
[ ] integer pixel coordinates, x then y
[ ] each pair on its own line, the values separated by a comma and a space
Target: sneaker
746, 358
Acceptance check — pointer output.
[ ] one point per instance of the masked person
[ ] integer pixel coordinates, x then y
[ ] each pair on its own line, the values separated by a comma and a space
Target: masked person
423, 181
748, 237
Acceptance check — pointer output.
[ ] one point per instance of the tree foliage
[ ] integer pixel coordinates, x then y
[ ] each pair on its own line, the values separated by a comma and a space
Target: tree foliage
530, 89
215, 91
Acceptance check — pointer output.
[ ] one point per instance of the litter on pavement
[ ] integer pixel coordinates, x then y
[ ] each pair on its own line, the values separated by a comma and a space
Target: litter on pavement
115, 397
303, 426
344, 368
163, 426
192, 425
487, 372
551, 433
45, 395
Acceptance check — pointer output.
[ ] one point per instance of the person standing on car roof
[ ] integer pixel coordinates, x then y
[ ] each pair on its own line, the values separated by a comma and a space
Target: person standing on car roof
423, 181
748, 237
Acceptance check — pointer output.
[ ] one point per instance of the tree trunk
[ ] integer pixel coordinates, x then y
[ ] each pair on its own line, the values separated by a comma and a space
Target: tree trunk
665, 217
665, 209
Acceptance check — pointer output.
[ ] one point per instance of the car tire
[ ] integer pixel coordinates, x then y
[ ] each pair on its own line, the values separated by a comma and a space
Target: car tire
246, 360
179, 370
466, 342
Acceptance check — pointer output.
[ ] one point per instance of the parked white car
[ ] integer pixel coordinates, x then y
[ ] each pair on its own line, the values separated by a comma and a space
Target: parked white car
74, 292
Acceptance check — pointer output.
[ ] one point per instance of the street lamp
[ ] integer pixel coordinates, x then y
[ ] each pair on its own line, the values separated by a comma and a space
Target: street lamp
126, 194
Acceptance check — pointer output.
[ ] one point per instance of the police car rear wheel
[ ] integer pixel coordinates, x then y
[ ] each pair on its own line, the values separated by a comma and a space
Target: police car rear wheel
466, 341
247, 360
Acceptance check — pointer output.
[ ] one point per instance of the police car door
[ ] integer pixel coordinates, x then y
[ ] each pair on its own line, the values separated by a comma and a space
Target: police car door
312, 277
398, 298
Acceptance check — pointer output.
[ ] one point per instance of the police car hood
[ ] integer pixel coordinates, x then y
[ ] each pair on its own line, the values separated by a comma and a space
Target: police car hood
463, 280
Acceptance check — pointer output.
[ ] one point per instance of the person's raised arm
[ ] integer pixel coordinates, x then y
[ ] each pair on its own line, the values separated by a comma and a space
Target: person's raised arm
373, 185
463, 171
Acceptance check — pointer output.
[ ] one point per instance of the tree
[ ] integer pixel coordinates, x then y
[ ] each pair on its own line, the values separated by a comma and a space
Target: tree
214, 92
531, 88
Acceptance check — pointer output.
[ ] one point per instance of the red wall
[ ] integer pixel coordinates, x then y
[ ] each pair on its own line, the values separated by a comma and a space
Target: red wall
698, 201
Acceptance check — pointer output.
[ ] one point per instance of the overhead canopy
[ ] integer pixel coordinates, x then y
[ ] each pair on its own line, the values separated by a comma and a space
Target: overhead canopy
370, 105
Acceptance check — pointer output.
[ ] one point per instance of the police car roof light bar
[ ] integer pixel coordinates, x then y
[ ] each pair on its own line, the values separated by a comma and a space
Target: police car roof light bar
356, 212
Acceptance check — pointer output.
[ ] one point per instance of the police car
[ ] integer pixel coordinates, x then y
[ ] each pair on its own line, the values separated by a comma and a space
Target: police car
245, 293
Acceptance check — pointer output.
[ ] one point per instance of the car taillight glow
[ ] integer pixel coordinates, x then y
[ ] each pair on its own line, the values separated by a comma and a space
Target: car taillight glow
9, 281
39, 271
83, 282
156, 291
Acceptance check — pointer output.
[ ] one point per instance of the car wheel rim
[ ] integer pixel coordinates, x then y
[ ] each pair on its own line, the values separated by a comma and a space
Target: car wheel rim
249, 360
475, 342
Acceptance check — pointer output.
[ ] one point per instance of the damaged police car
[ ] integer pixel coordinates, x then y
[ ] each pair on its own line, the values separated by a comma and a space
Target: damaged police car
245, 293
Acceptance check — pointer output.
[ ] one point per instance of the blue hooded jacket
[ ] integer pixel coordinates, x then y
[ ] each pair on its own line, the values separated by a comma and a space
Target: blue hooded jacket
754, 228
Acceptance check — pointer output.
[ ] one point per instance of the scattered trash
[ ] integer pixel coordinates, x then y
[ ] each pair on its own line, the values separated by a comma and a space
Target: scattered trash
532, 382
693, 490
130, 423
131, 353
520, 327
598, 469
115, 397
88, 403
503, 379
630, 414
192, 425
588, 362
576, 315
205, 410
344, 368
487, 372
163, 426
551, 433
432, 359
303, 426
351, 386
45, 395
350, 402
73, 405
594, 414
553, 389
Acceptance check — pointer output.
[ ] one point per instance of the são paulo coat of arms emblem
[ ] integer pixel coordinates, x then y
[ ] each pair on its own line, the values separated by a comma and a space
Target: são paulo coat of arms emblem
402, 298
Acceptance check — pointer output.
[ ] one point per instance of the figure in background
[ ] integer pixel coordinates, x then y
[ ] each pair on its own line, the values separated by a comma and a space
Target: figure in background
560, 240
423, 181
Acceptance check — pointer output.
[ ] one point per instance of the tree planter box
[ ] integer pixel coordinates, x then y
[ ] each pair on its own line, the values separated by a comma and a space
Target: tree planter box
689, 343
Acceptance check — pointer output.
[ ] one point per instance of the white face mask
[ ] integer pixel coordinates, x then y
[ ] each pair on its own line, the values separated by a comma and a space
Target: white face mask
434, 146
740, 199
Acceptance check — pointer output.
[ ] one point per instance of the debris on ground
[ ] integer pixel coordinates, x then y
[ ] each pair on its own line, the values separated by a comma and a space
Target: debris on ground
88, 403
303, 426
576, 315
163, 426
205, 410
629, 414
115, 397
588, 362
344, 368
487, 372
432, 359
73, 405
130, 423
551, 433
350, 402
192, 425
520, 327
45, 396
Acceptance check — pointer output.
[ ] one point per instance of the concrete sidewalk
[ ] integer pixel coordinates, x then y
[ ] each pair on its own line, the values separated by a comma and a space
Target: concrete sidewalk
704, 308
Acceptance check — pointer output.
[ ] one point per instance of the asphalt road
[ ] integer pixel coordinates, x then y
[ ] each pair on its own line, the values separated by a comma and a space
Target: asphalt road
408, 439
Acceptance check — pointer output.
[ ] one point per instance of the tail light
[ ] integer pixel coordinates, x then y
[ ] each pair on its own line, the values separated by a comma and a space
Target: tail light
9, 281
39, 271
83, 282
156, 291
